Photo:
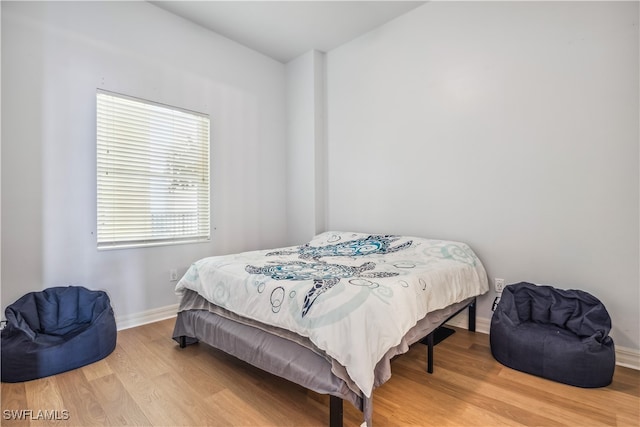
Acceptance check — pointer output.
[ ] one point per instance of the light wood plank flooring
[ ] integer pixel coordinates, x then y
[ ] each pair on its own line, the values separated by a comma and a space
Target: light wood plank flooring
148, 380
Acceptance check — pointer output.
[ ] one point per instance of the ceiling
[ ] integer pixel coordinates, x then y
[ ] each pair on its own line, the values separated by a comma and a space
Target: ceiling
283, 30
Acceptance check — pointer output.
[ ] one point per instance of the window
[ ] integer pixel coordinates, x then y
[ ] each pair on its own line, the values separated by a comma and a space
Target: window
153, 173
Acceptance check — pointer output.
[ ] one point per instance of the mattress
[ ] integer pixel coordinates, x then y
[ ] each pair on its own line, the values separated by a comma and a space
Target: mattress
351, 298
287, 355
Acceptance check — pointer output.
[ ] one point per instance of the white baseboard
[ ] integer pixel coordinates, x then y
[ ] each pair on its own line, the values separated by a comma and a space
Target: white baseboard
149, 316
627, 357
462, 321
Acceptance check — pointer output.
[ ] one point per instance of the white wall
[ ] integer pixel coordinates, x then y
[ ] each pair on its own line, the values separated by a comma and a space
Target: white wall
512, 126
54, 56
306, 147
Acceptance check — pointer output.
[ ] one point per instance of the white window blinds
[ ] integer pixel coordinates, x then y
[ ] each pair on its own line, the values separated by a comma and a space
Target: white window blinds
153, 173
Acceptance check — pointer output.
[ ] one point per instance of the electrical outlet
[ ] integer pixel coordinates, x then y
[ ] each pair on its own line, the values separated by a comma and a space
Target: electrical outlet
173, 275
498, 284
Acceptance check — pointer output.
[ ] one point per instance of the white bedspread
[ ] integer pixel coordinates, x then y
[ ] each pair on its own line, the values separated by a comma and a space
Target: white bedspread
353, 295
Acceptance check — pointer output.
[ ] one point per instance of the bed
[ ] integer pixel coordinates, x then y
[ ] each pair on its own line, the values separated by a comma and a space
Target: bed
332, 313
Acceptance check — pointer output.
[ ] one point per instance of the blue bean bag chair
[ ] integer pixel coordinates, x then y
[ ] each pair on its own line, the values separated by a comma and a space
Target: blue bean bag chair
561, 335
54, 331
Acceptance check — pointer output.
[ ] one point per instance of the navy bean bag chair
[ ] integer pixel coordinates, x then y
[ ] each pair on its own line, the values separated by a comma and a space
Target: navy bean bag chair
54, 331
561, 335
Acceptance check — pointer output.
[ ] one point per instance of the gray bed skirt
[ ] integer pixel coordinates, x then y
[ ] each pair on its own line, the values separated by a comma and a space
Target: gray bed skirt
288, 355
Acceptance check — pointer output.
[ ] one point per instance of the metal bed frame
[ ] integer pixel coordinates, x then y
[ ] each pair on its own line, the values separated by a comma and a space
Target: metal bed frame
336, 403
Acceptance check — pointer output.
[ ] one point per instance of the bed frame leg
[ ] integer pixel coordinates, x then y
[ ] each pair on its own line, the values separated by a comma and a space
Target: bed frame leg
430, 352
183, 341
472, 316
335, 411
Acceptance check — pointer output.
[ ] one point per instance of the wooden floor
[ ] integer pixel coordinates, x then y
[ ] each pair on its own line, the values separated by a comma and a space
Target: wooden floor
149, 380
